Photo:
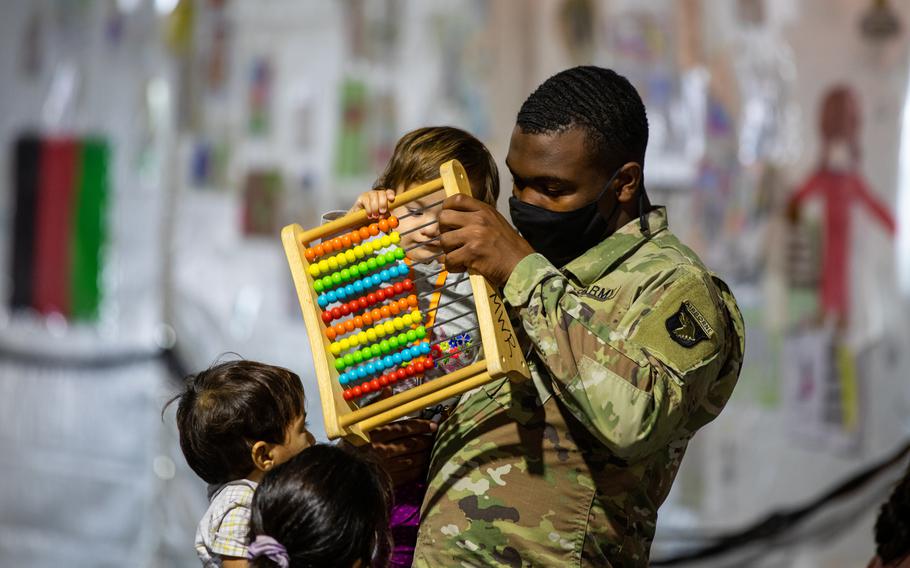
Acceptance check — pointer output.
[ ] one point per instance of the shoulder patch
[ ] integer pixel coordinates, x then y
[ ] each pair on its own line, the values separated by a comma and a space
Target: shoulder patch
599, 293
687, 326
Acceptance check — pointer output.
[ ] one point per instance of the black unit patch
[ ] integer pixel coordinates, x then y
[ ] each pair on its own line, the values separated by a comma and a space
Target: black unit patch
688, 327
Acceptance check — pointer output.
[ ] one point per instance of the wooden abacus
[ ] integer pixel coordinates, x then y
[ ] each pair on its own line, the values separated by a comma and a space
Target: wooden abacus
379, 336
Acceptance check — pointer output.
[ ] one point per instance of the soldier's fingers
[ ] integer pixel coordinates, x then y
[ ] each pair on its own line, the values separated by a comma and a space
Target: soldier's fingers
405, 464
462, 202
404, 446
402, 429
451, 219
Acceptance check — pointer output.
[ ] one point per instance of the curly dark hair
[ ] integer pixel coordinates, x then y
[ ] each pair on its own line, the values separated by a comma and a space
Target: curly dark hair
892, 528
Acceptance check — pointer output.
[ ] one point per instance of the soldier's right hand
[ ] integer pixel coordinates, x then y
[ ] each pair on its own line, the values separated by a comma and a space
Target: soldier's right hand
404, 448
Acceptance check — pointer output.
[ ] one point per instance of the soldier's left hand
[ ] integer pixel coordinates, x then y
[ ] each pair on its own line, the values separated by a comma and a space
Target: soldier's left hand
476, 237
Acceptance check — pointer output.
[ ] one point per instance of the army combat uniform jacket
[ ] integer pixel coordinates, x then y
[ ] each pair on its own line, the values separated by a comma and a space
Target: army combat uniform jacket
634, 347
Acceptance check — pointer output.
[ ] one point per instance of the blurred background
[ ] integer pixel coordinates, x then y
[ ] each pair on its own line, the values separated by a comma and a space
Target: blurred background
152, 149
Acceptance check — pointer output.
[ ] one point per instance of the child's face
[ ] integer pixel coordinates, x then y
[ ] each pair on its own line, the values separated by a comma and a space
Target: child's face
297, 438
419, 214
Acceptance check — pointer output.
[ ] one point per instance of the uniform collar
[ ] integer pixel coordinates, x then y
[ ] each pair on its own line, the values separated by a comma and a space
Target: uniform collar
600, 258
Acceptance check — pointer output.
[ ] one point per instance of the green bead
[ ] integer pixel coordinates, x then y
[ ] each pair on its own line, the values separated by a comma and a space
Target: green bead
380, 260
421, 332
393, 342
371, 264
399, 253
336, 278
412, 335
339, 364
345, 274
317, 285
358, 358
363, 267
366, 353
375, 350
384, 346
326, 282
402, 339
355, 272
349, 359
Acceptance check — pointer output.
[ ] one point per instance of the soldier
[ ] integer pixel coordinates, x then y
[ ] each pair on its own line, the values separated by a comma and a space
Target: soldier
633, 345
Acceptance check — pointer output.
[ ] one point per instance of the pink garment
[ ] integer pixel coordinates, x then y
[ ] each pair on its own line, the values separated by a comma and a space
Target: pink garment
839, 190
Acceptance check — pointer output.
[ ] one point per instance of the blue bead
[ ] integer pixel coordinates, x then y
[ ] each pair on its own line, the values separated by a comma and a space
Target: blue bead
361, 372
424, 348
387, 362
332, 296
396, 358
406, 355
343, 379
349, 290
371, 367
322, 301
358, 286
401, 269
375, 280
414, 351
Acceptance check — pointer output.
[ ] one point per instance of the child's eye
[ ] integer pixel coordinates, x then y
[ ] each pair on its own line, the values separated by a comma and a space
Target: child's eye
415, 211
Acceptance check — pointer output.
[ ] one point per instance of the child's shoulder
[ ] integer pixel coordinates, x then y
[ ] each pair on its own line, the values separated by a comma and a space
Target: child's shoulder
238, 492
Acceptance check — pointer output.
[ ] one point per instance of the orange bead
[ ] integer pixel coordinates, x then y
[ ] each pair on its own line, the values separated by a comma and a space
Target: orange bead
374, 229
376, 315
384, 310
330, 333
319, 249
346, 241
367, 320
310, 255
383, 225
358, 322
393, 222
349, 325
355, 237
393, 307
337, 244
412, 300
339, 329
364, 233
403, 304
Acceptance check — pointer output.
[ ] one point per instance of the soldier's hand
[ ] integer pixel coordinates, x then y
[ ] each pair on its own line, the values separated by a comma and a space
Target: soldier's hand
404, 448
476, 237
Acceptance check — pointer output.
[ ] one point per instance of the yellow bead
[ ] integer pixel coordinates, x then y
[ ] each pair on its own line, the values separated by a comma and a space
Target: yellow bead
416, 316
350, 256
345, 344
368, 247
362, 337
314, 270
395, 237
389, 327
323, 266
335, 348
385, 240
407, 319
380, 331
399, 324
333, 263
371, 334
358, 251
341, 259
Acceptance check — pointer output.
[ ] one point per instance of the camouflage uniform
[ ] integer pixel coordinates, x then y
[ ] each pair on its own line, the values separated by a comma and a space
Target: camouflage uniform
636, 346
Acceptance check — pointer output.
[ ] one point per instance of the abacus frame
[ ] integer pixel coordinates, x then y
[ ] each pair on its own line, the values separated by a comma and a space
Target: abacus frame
501, 353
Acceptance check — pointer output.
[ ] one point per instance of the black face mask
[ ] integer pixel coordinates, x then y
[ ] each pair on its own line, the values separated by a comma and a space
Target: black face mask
562, 236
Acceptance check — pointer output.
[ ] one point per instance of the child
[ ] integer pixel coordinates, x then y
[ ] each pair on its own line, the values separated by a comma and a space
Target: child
237, 421
326, 507
416, 160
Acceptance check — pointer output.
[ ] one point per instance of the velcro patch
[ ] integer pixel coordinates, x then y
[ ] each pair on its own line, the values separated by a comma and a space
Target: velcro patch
687, 326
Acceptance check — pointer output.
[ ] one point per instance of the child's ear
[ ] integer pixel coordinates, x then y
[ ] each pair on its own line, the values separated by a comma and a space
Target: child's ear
261, 452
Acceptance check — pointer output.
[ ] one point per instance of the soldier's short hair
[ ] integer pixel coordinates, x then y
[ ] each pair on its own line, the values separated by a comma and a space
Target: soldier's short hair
419, 153
602, 102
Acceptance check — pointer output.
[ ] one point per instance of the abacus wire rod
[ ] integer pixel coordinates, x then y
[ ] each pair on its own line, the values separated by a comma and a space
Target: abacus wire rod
405, 216
409, 231
449, 303
443, 287
425, 276
423, 244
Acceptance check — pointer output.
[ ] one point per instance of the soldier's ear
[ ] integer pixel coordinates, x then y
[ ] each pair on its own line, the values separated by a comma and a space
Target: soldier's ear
629, 182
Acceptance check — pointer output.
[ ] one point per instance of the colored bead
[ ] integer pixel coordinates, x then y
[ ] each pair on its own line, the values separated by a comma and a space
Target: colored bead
411, 335
349, 290
309, 254
326, 282
347, 394
349, 325
350, 256
371, 298
384, 380
389, 327
425, 348
421, 332
395, 237
346, 241
333, 263
385, 240
337, 244
367, 319
411, 369
363, 267
371, 335
393, 342
336, 278
335, 348
364, 233
319, 250
339, 328
322, 301
314, 270
358, 286
371, 263
375, 350
362, 302
362, 338
358, 358
339, 364
375, 385
323, 266
383, 225
399, 253
408, 284
348, 359
393, 307
317, 285
345, 344
326, 317
398, 323
398, 287
430, 363
330, 333
374, 229
358, 391
375, 280
384, 346
355, 237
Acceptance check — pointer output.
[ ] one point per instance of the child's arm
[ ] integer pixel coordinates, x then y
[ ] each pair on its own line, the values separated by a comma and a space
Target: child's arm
234, 562
375, 202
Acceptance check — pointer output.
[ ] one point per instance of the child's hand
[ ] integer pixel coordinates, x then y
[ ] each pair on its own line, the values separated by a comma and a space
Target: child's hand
375, 202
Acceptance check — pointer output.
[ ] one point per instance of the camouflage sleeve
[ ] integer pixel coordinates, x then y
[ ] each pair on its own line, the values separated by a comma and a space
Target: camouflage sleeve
631, 371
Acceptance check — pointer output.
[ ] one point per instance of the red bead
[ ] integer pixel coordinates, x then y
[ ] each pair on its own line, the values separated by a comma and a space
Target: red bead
436, 350
411, 370
347, 394
408, 284
371, 298
430, 363
419, 367
384, 380
401, 373
375, 385
362, 303
398, 287
380, 294
357, 391
345, 310
327, 317
336, 313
